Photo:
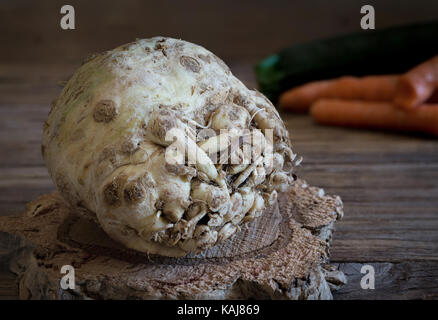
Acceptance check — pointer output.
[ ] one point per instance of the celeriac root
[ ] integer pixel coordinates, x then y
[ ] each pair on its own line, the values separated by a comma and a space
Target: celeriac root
166, 147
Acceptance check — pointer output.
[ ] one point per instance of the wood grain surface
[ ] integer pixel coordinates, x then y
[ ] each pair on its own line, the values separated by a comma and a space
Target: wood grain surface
388, 181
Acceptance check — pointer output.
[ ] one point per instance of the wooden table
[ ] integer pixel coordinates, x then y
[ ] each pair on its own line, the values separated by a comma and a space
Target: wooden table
388, 182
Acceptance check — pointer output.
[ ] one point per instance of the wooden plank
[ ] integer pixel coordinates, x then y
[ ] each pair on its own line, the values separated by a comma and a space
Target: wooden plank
226, 22
18, 185
8, 284
20, 134
407, 280
30, 83
334, 145
362, 250
229, 28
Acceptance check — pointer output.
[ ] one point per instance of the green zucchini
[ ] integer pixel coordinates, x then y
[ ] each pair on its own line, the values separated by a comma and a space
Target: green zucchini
386, 51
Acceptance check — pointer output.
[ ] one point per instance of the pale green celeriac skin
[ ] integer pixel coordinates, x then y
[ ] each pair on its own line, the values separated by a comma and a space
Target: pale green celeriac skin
104, 152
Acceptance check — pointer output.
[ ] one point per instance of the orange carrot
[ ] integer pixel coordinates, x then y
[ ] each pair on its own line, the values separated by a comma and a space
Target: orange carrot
417, 85
370, 88
381, 115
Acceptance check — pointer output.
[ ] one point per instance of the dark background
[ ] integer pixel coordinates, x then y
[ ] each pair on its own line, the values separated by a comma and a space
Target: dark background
389, 182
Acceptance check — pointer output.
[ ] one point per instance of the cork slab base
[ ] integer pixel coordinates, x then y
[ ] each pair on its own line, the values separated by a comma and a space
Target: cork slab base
284, 254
